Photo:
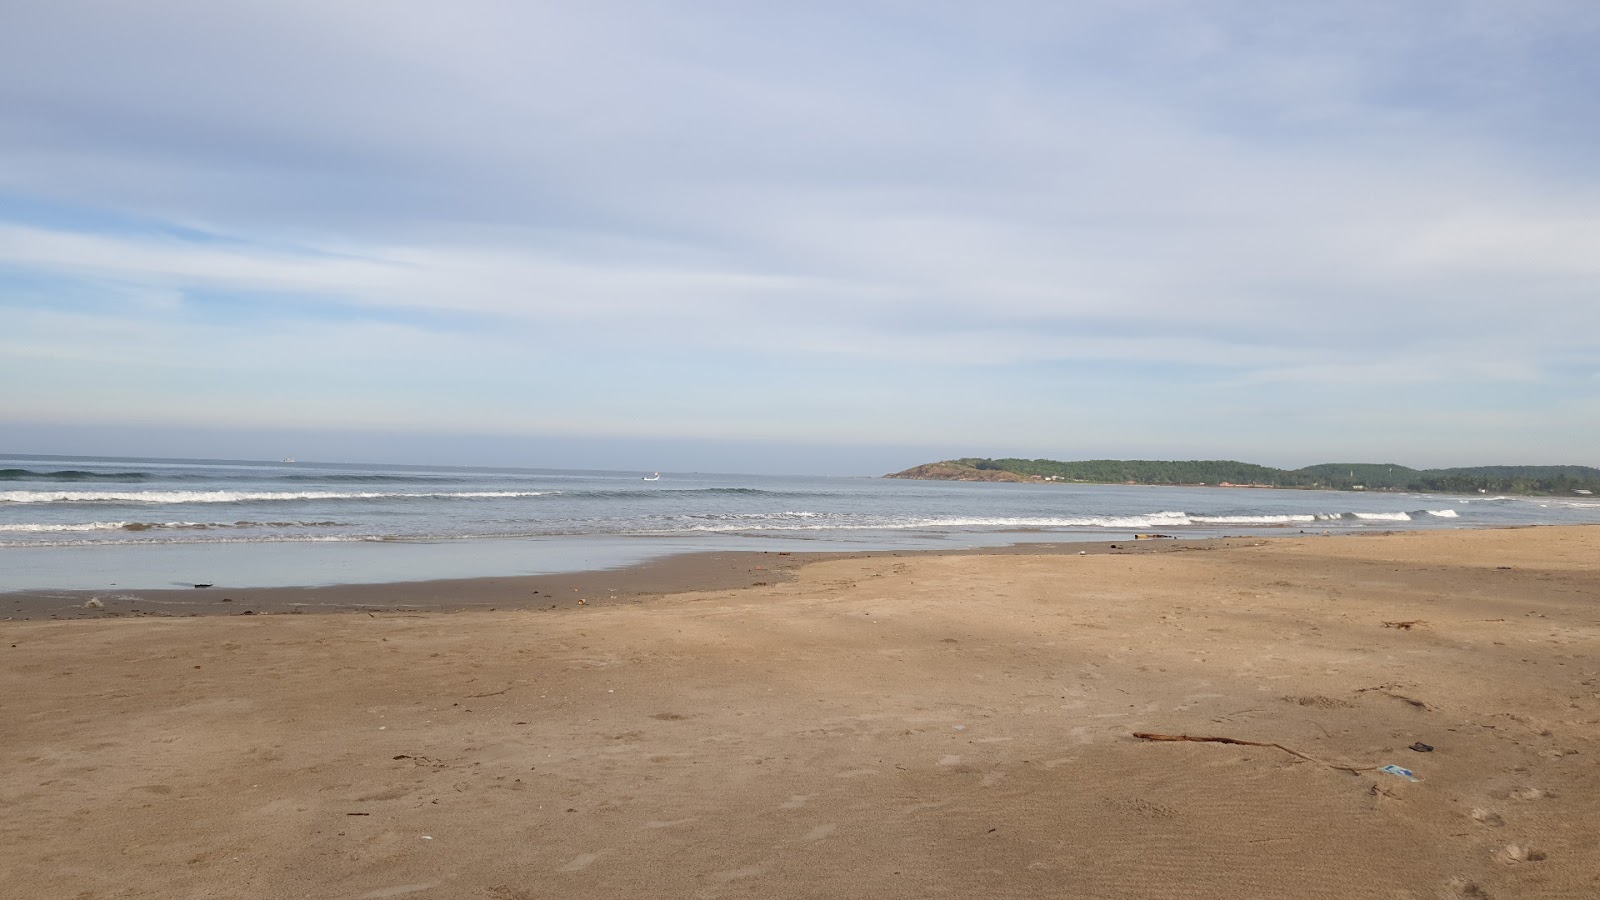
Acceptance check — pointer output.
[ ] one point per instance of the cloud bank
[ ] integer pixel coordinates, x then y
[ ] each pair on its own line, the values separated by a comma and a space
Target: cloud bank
1131, 228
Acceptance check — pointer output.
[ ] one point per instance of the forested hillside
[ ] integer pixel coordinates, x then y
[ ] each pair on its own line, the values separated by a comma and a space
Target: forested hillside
1334, 476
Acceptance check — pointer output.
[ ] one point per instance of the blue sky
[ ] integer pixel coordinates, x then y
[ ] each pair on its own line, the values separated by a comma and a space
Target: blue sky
842, 237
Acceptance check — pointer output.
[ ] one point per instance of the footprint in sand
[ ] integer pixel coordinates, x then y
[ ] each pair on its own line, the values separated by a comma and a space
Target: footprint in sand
1465, 889
581, 861
1511, 854
950, 759
819, 832
1484, 816
795, 802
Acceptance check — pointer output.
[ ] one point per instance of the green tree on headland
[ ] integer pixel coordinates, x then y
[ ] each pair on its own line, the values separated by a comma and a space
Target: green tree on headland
1329, 476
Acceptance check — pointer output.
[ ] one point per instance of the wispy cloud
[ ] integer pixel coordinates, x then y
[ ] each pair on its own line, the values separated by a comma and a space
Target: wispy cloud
828, 203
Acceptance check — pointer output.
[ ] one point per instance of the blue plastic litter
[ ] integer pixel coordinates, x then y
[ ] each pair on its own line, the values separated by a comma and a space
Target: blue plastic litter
1402, 771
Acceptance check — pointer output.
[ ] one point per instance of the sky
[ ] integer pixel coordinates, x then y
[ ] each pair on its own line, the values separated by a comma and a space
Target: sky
821, 237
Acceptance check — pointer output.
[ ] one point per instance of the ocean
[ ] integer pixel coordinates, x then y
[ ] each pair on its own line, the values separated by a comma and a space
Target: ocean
82, 523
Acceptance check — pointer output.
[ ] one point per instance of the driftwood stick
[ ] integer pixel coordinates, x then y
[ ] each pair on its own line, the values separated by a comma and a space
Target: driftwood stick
1354, 770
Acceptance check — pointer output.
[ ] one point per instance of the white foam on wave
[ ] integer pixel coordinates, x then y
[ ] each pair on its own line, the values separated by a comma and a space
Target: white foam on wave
242, 496
36, 527
276, 539
1573, 504
779, 524
1251, 520
61, 527
778, 515
808, 521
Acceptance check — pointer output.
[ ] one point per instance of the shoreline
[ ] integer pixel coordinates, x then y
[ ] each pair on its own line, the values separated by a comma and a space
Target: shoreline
636, 582
651, 578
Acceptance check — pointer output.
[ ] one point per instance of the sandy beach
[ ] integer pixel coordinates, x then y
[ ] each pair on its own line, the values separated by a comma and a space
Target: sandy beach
888, 725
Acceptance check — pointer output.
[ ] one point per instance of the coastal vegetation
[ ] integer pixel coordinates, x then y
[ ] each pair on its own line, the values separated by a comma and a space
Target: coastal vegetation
1227, 472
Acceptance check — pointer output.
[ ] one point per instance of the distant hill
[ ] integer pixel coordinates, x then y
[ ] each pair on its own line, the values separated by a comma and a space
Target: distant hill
1327, 476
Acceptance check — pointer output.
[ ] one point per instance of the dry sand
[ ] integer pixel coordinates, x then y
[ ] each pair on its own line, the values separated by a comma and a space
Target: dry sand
955, 725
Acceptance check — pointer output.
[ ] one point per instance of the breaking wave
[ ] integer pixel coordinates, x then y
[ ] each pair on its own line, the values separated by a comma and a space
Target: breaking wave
160, 497
141, 541
56, 527
1572, 504
813, 521
70, 475
681, 493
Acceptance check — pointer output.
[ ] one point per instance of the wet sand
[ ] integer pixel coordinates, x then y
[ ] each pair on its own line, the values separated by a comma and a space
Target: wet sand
911, 725
666, 575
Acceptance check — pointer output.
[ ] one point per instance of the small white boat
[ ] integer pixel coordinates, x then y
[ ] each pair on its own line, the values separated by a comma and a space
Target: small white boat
655, 477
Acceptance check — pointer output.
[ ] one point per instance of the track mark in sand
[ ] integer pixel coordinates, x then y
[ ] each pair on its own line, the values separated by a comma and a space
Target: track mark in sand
819, 832
857, 773
736, 874
1319, 701
1081, 733
672, 824
1511, 854
950, 759
993, 778
491, 693
581, 861
1060, 761
1485, 817
398, 890
795, 802
1139, 806
1465, 890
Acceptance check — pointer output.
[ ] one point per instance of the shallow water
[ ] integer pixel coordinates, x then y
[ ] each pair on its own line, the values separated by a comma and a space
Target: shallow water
142, 523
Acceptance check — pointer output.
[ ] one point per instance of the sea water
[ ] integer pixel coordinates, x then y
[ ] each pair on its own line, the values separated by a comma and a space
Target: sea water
80, 523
